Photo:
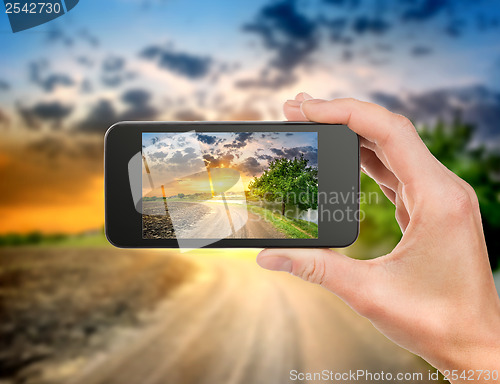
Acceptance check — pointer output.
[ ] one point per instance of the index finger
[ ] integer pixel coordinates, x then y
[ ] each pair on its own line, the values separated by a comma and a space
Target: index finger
406, 154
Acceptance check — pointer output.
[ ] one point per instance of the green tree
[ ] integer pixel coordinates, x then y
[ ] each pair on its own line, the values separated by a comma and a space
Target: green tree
288, 182
479, 165
181, 195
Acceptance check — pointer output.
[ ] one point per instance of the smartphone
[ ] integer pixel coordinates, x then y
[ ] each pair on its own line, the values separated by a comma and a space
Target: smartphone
231, 184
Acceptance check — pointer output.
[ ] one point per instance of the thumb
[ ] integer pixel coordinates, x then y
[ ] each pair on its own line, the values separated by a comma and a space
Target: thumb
347, 278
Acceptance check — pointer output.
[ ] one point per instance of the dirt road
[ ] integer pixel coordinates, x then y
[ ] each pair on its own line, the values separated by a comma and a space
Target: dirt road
218, 225
236, 323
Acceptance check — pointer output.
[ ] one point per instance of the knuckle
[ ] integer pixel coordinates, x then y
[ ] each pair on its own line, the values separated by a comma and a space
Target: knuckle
459, 202
313, 271
403, 123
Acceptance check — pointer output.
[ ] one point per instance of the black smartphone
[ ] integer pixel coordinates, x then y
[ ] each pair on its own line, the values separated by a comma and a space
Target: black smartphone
231, 184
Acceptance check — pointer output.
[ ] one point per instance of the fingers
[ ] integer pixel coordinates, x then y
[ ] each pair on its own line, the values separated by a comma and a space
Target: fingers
406, 154
292, 110
374, 168
340, 274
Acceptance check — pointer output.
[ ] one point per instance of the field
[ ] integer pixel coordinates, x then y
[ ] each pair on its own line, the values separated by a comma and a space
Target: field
60, 305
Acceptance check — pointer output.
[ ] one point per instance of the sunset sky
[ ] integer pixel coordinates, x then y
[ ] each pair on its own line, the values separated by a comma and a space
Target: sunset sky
64, 83
176, 157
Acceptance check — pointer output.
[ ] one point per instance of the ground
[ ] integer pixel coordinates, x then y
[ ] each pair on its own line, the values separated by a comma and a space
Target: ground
102, 315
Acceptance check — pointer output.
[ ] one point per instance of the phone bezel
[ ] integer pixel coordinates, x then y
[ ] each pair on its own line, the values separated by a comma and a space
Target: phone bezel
337, 144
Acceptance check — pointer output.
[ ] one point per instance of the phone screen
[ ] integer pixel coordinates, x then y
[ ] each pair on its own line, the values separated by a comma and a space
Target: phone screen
218, 185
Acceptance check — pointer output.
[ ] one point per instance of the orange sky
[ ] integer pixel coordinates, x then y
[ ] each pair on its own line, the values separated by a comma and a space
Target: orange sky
64, 193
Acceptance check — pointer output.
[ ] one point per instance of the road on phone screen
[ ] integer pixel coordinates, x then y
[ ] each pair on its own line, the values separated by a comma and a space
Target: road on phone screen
236, 323
217, 225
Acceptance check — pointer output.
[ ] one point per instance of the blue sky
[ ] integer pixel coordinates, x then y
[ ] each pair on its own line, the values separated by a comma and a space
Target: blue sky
64, 83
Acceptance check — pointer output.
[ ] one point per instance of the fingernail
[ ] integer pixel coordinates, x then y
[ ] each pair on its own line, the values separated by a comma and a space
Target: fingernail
314, 101
293, 103
275, 263
306, 96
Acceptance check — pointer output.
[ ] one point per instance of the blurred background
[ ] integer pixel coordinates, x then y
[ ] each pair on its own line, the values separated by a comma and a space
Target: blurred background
73, 309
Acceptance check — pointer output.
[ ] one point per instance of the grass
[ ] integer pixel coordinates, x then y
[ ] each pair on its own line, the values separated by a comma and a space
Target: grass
293, 228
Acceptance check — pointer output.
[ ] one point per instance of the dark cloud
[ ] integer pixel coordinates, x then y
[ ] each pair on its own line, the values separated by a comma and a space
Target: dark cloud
289, 34
477, 105
54, 80
136, 97
103, 114
114, 71
28, 118
342, 3
207, 139
53, 112
219, 160
421, 10
420, 50
188, 115
185, 64
139, 107
113, 64
264, 157
48, 82
336, 28
56, 35
308, 152
363, 24
4, 86
241, 140
100, 117
250, 166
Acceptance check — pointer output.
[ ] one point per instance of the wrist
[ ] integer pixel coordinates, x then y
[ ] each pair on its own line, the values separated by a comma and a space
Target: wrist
473, 347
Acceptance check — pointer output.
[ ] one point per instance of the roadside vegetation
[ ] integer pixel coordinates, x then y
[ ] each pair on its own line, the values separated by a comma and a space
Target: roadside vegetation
293, 228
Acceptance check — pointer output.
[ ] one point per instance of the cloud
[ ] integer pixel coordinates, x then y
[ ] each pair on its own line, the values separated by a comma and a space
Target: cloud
184, 64
48, 82
100, 117
282, 28
420, 50
4, 86
103, 113
56, 35
424, 9
34, 116
308, 152
51, 110
250, 166
363, 24
207, 139
341, 3
114, 71
477, 105
241, 140
217, 161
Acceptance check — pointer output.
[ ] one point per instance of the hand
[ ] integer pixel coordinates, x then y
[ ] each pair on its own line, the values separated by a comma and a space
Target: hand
434, 294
